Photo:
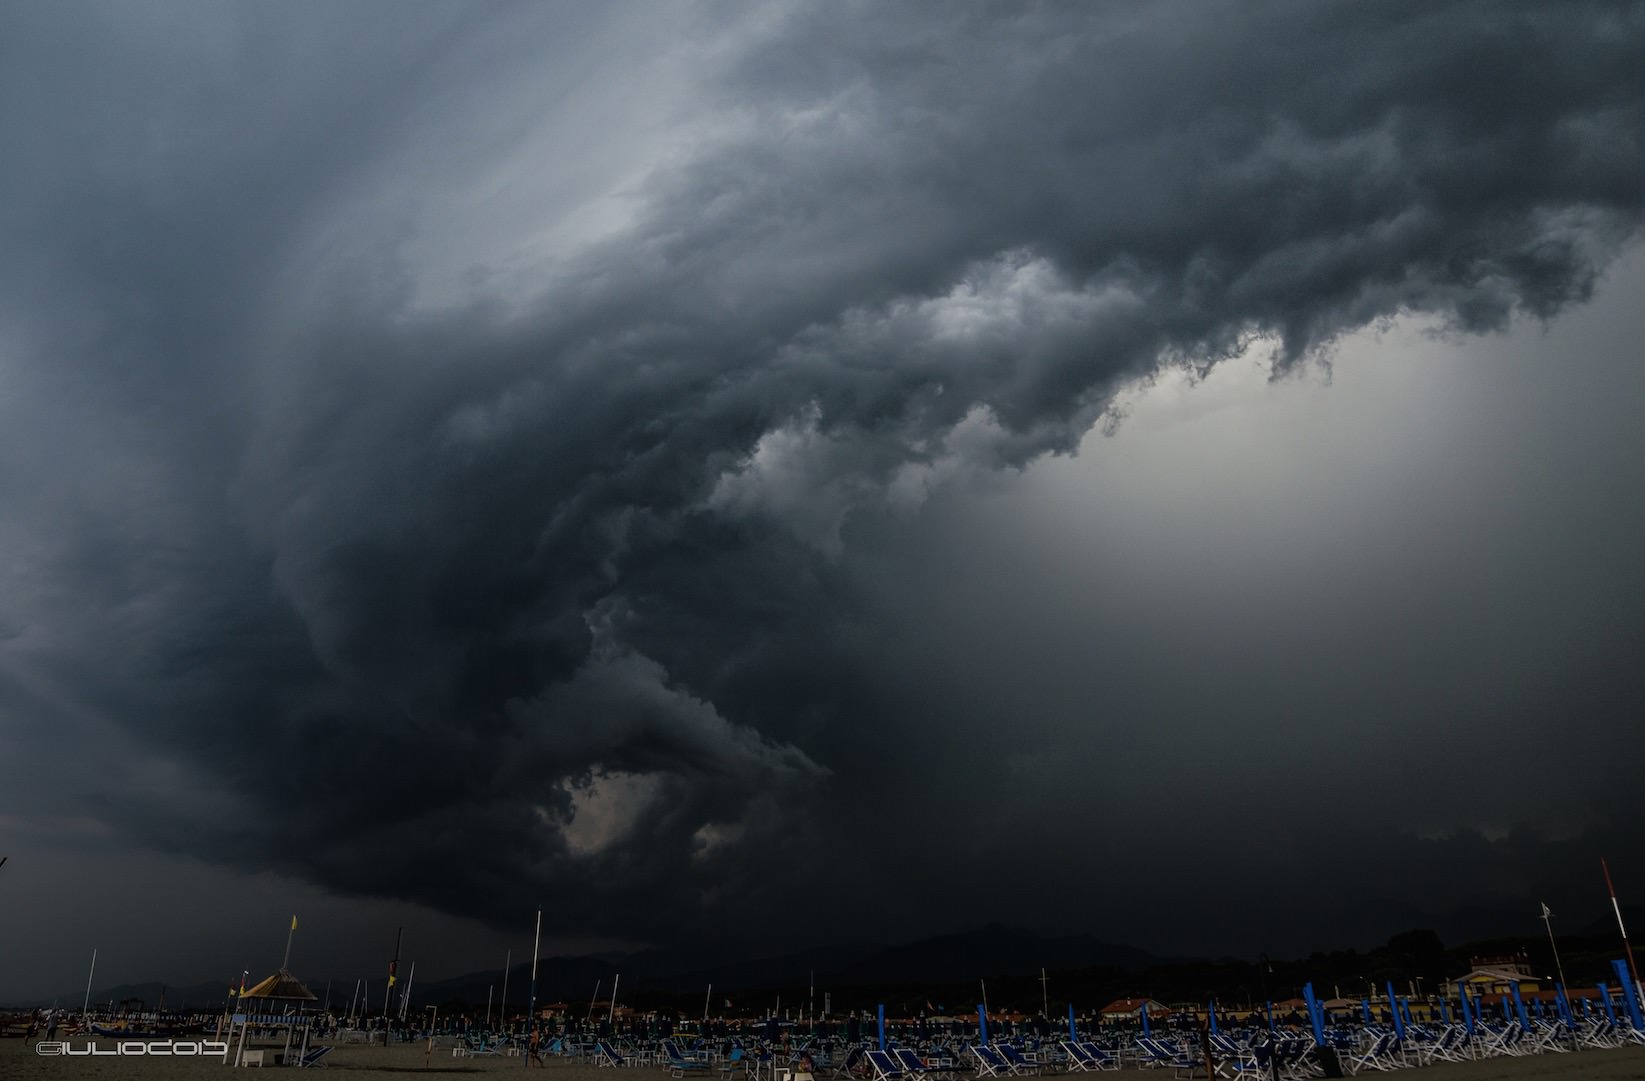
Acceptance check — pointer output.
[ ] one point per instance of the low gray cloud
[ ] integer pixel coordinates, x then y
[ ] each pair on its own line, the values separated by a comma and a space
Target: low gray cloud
476, 455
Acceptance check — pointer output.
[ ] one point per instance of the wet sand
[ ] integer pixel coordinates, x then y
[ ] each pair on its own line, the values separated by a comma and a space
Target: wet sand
19, 1062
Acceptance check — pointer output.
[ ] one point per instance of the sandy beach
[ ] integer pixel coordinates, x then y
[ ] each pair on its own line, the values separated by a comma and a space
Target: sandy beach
18, 1062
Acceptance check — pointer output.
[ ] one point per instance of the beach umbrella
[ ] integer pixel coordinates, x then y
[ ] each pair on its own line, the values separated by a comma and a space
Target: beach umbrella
1467, 1014
1393, 1008
1270, 1015
1211, 1016
1630, 995
1313, 1013
1405, 1006
1605, 1000
1365, 1004
1445, 1010
1540, 1012
1142, 1012
982, 1024
1073, 1033
1519, 1006
1563, 1005
882, 1026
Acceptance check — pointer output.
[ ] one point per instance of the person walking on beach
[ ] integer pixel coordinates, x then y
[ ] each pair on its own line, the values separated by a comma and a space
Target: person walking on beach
533, 1050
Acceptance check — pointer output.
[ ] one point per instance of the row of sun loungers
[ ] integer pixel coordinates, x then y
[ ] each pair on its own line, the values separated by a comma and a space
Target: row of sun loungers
1251, 1055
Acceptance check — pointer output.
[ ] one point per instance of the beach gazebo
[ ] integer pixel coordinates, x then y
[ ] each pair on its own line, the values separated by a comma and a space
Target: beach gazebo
286, 1000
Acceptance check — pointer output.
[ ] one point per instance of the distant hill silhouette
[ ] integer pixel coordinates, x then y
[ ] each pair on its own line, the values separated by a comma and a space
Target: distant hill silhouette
1082, 967
994, 950
990, 951
200, 996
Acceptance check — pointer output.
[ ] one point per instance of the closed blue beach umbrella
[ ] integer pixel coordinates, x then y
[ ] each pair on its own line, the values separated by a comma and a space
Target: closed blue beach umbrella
882, 1026
1393, 1008
1143, 1013
1211, 1015
1630, 995
1313, 1013
1519, 1007
1073, 1033
982, 1024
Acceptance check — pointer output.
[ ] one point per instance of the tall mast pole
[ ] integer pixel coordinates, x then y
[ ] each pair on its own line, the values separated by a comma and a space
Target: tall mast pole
1633, 969
531, 1002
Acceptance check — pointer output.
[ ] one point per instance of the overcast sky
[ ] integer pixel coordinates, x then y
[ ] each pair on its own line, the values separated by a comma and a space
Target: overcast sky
780, 474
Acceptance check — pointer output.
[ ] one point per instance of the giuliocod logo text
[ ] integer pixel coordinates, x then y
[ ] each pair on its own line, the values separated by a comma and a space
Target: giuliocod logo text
134, 1048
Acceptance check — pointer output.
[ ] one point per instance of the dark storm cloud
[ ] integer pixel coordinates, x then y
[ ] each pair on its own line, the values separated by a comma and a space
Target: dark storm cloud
478, 578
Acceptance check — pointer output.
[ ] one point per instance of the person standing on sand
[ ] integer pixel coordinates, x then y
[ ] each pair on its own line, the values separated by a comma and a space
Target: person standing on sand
533, 1050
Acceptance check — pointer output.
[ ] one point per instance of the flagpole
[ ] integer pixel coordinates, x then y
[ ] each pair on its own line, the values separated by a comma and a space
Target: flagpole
707, 995
388, 992
599, 983
502, 1005
86, 1006
531, 1001
611, 1016
1547, 915
1627, 948
284, 961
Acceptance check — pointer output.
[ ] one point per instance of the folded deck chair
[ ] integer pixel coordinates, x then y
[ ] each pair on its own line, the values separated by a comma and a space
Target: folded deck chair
910, 1063
1099, 1057
1015, 1059
848, 1066
678, 1064
989, 1061
884, 1066
315, 1056
1077, 1058
1166, 1053
1379, 1055
606, 1055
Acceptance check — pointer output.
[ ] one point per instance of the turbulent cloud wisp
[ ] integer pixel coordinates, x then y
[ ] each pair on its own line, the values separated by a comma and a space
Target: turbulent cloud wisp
469, 565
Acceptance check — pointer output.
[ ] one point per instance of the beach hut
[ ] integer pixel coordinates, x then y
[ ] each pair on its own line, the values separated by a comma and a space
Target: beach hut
1130, 1009
1499, 975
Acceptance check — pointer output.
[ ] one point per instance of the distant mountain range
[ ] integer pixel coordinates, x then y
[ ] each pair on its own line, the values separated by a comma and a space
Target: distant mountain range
1012, 955
992, 951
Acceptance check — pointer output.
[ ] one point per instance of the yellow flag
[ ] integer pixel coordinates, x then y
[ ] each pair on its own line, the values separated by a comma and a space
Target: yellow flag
294, 923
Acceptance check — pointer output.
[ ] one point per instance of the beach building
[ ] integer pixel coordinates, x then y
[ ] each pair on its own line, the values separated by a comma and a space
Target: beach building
1130, 1009
1500, 975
